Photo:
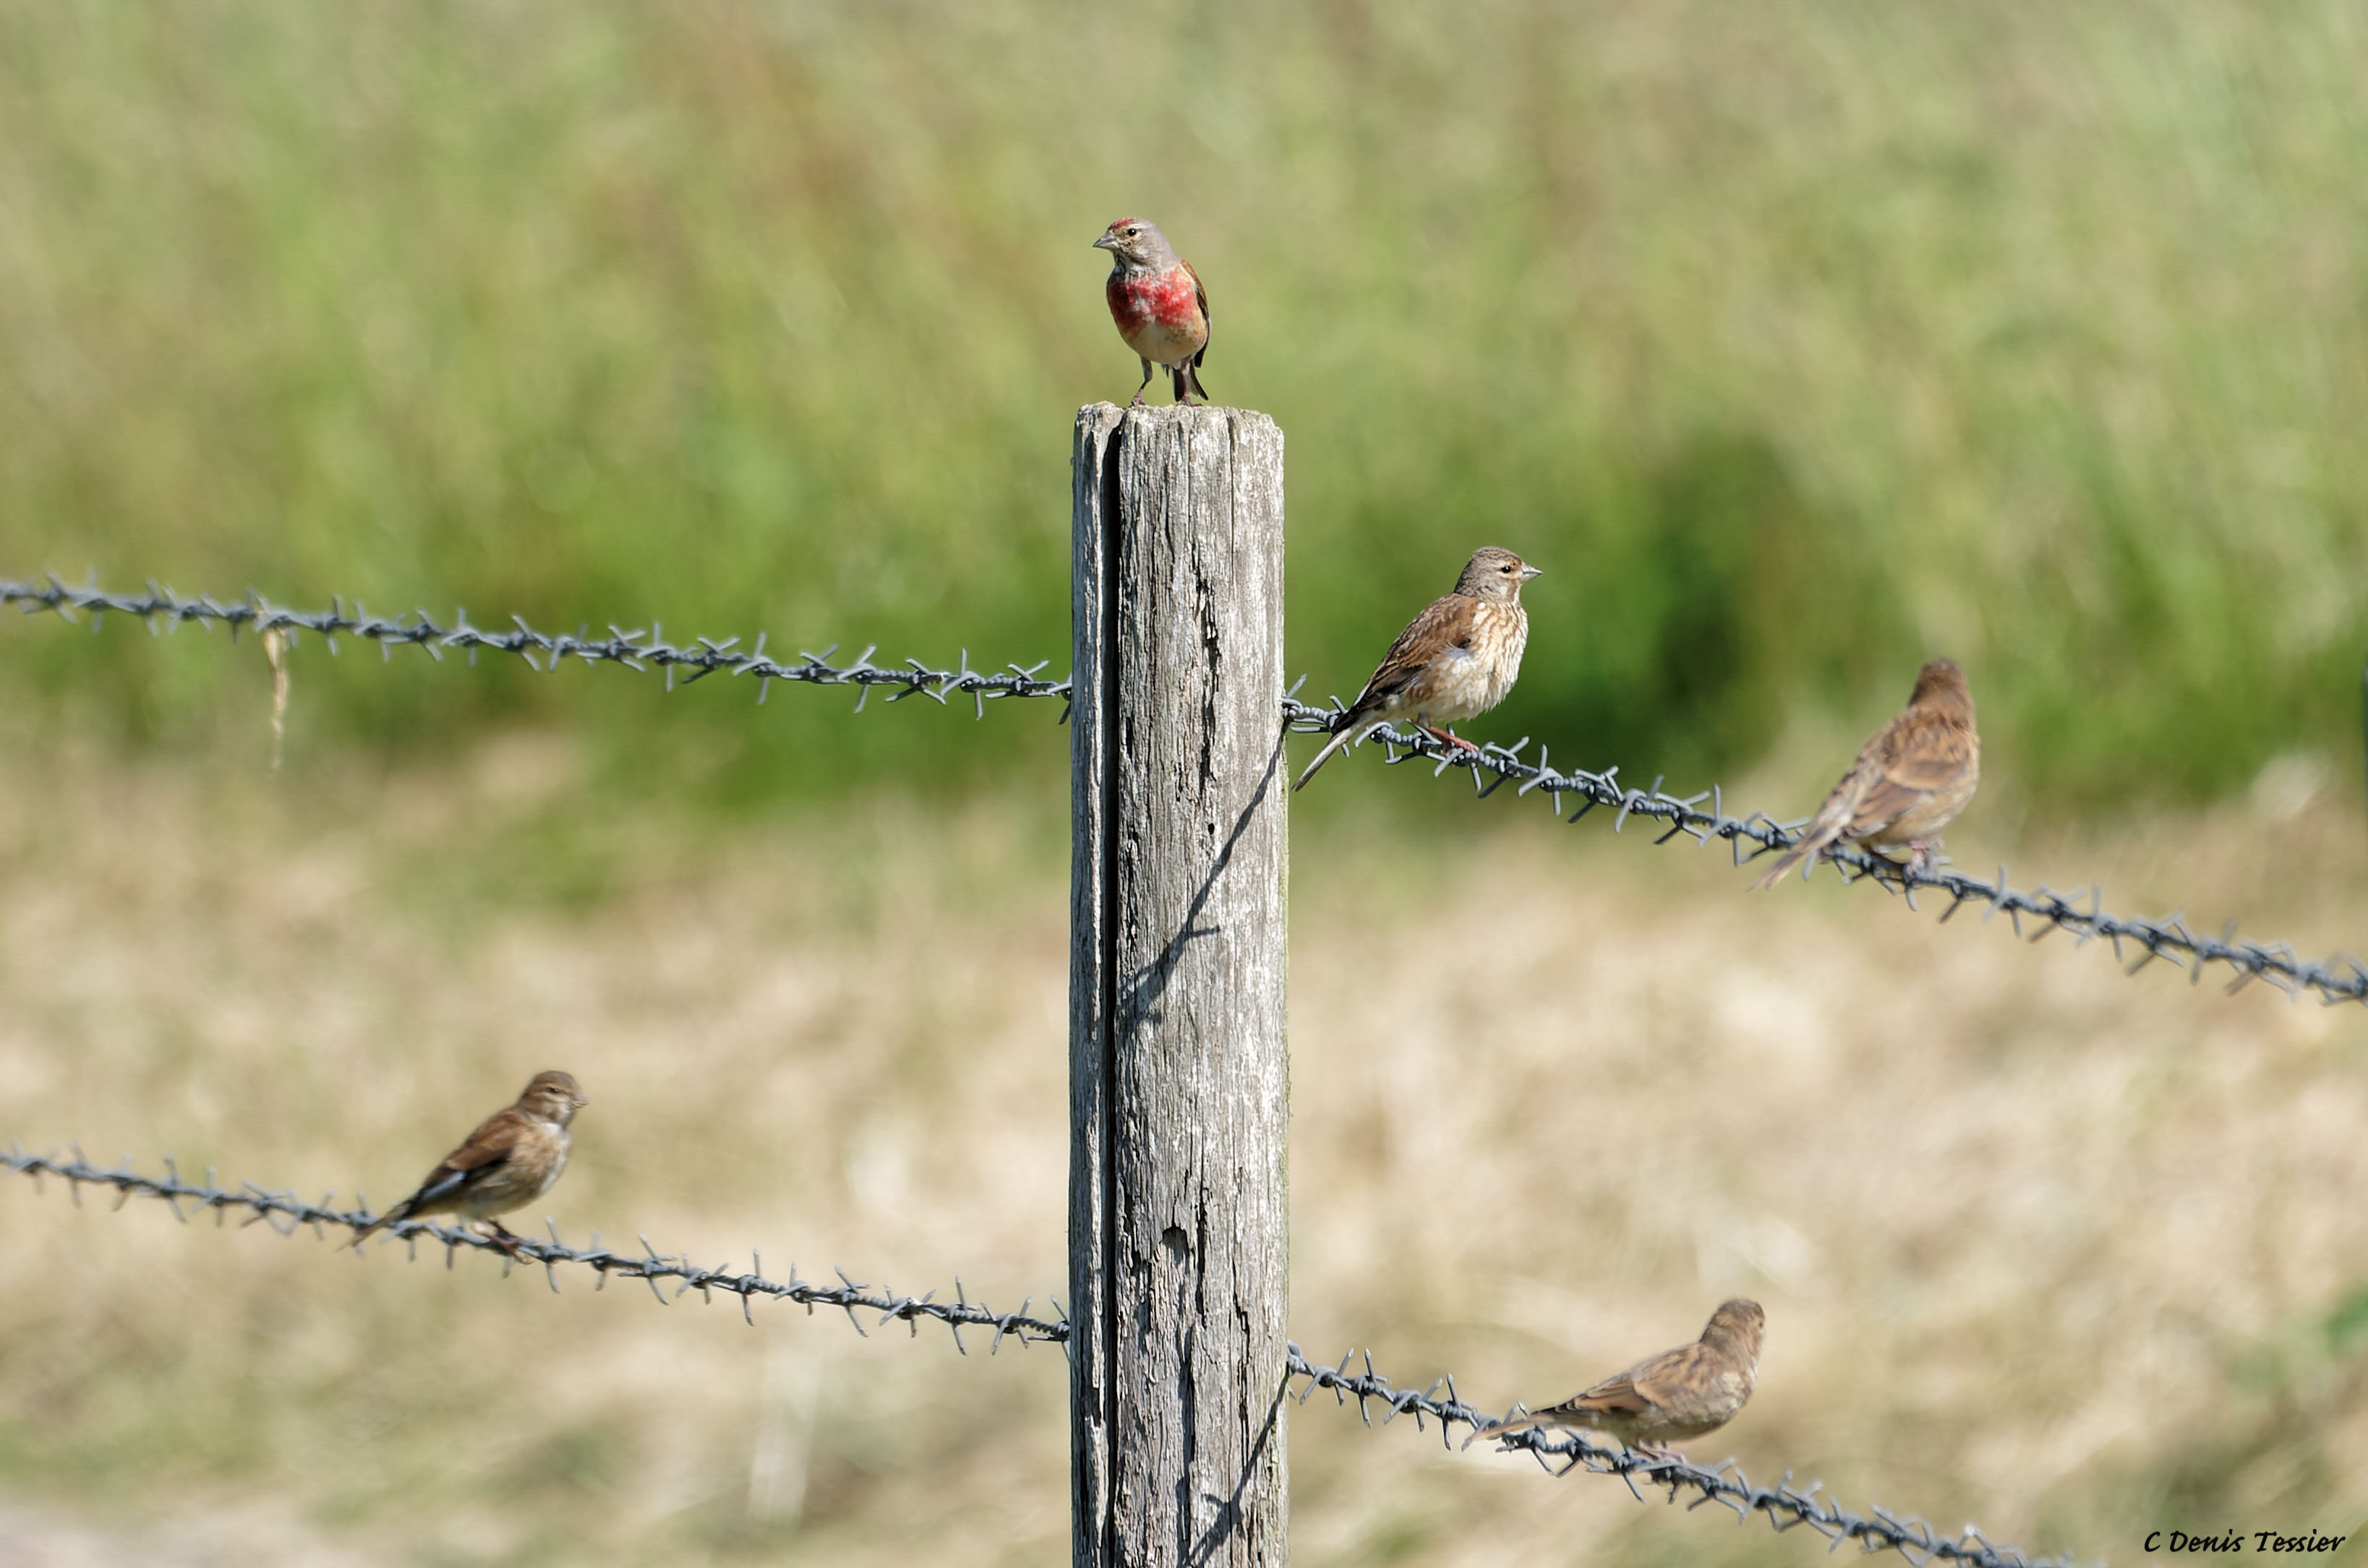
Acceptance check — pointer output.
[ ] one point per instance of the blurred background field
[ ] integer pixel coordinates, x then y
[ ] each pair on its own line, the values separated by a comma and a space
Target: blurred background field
2074, 1255
1797, 344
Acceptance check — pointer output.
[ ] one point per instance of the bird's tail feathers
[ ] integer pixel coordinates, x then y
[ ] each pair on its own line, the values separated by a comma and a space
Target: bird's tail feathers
400, 1212
1335, 743
1352, 729
1190, 377
1808, 843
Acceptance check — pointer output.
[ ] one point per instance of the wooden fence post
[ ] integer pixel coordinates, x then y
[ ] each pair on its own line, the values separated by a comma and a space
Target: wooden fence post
1178, 1096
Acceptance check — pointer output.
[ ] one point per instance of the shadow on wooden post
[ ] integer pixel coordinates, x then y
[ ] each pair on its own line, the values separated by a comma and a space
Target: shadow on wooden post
1179, 1098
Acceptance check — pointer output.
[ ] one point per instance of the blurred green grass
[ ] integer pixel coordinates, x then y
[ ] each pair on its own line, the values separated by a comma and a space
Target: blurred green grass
1795, 344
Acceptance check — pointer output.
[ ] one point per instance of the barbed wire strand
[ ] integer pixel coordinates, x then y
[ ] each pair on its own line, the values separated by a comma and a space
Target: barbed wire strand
287, 1213
2341, 978
640, 649
1784, 1506
2338, 979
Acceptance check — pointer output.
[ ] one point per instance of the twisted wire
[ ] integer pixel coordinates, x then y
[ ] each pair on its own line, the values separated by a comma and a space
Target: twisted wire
640, 649
286, 1213
2341, 978
1784, 1505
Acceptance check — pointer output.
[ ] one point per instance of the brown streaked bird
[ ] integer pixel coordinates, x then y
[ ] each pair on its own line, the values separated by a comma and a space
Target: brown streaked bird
1678, 1394
1157, 303
1454, 661
511, 1159
1910, 781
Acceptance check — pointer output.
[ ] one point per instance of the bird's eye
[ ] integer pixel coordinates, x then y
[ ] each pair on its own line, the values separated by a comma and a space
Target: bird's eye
1131, 232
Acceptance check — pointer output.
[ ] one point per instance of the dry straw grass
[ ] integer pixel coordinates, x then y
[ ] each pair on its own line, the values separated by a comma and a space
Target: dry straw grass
2061, 1252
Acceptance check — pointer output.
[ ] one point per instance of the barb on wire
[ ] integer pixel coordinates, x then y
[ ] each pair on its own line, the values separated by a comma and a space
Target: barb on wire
636, 650
2338, 979
1784, 1505
285, 1212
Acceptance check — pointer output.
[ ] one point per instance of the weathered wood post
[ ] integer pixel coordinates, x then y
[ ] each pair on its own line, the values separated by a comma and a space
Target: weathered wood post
1179, 1089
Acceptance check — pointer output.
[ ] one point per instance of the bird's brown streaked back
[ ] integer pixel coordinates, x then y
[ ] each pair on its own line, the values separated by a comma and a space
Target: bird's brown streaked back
1908, 781
510, 1159
1680, 1393
1454, 661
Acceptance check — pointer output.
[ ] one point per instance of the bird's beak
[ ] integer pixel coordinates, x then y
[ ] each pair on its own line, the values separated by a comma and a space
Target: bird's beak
1529, 571
1108, 242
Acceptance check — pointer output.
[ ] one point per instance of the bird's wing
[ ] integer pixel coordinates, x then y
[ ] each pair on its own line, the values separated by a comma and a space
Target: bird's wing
1446, 623
474, 1160
1913, 755
1846, 803
1199, 294
1670, 1380
1840, 810
1616, 1395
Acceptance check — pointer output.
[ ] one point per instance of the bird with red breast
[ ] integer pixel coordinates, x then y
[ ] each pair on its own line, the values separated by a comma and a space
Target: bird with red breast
1158, 302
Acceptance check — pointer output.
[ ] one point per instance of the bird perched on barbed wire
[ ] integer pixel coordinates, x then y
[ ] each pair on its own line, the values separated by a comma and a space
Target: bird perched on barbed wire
1678, 1394
511, 1159
1910, 778
1454, 661
1158, 302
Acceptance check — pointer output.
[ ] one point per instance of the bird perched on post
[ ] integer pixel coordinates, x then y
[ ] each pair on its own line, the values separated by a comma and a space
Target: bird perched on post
1910, 778
1678, 1394
511, 1159
1454, 661
1158, 302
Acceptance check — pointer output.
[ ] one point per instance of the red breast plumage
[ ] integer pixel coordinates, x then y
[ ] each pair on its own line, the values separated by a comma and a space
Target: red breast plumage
1160, 313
